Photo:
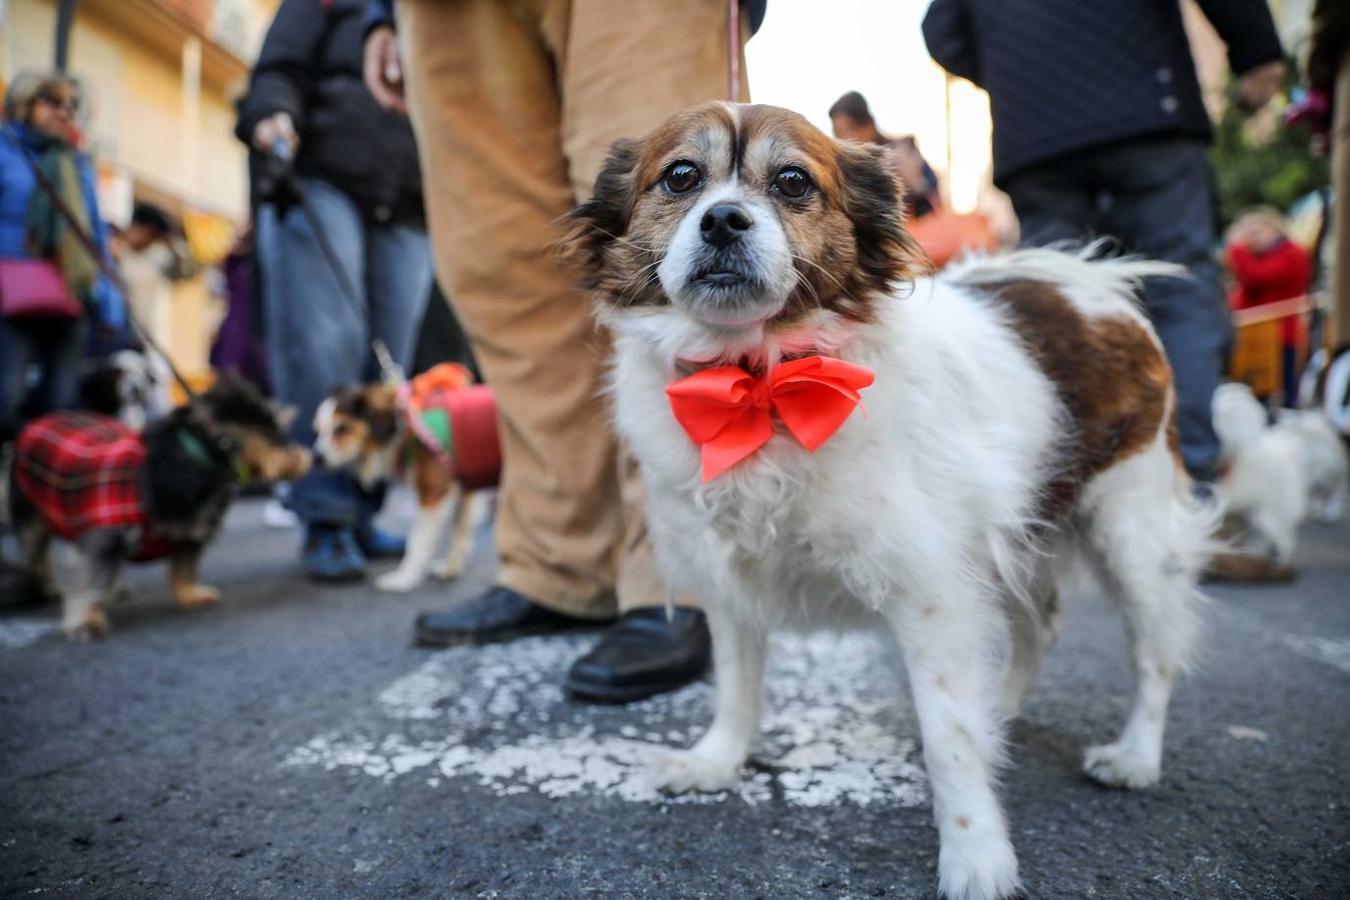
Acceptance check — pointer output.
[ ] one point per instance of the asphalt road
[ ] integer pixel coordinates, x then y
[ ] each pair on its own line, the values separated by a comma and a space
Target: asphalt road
293, 744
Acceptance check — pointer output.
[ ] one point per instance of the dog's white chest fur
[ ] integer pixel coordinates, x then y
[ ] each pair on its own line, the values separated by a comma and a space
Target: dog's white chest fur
929, 465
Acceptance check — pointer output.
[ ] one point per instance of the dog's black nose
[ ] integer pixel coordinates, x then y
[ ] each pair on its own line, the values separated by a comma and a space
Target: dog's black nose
723, 224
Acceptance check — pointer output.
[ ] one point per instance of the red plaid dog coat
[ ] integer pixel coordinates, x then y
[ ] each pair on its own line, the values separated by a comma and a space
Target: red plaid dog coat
82, 472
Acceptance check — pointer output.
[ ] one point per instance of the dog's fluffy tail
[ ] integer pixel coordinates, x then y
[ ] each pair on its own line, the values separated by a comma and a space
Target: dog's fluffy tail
1087, 271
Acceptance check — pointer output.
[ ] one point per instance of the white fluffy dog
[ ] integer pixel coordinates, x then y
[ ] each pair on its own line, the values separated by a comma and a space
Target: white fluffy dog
757, 276
1275, 477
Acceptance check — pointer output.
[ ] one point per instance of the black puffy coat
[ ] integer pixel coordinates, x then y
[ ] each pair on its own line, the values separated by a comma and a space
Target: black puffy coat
310, 67
1065, 75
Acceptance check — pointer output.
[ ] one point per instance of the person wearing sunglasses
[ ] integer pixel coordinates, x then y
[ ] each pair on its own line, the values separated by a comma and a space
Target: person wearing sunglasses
38, 133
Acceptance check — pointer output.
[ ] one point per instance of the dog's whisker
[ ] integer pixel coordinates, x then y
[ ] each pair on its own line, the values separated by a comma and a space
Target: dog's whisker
826, 272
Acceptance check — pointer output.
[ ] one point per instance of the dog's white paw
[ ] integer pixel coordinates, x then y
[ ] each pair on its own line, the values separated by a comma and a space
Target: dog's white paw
448, 570
93, 625
978, 869
197, 595
1122, 766
683, 771
399, 581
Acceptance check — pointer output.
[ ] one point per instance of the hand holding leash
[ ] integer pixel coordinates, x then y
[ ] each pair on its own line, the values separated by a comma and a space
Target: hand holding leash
283, 189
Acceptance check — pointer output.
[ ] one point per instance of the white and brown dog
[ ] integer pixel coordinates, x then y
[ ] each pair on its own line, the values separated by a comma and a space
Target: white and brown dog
757, 276
439, 434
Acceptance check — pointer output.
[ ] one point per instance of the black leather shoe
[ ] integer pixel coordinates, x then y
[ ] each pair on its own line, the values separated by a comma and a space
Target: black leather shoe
642, 655
498, 615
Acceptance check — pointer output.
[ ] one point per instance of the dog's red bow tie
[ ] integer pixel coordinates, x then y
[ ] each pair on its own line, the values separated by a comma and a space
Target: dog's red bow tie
726, 410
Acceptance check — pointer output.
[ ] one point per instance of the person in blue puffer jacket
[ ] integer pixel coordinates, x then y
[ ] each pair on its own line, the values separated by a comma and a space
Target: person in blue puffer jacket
39, 120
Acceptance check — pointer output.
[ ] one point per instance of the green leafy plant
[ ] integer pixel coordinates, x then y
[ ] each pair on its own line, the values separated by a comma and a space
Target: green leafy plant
1272, 169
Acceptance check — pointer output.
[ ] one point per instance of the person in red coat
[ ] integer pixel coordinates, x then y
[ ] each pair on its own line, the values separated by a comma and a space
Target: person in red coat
1268, 267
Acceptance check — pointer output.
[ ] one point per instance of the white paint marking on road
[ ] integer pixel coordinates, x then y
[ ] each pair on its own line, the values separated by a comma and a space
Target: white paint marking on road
1247, 733
1328, 650
17, 633
832, 731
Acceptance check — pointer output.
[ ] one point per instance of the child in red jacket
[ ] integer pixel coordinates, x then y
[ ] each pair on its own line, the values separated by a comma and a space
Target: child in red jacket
1268, 267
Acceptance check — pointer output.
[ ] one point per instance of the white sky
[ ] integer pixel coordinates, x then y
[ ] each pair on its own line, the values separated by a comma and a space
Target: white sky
808, 52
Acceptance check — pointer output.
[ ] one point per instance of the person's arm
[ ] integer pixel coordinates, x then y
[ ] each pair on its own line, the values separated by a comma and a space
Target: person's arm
1254, 51
1248, 29
275, 104
379, 14
110, 305
951, 42
381, 66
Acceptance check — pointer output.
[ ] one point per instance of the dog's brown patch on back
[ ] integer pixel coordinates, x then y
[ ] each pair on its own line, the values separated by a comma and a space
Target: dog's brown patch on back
1110, 374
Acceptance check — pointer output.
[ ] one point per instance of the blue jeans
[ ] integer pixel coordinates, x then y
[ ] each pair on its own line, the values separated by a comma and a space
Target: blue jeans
57, 349
1156, 198
316, 341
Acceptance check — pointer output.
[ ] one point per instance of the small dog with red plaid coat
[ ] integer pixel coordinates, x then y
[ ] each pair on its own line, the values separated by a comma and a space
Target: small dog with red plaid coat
122, 496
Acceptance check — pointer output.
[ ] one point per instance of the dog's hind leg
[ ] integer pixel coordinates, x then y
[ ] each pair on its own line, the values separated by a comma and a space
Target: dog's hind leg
1150, 539
462, 524
944, 639
1031, 627
187, 592
35, 541
433, 514
98, 559
714, 763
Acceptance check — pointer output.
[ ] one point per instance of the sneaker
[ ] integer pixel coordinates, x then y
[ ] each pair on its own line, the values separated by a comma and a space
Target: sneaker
331, 554
376, 543
276, 515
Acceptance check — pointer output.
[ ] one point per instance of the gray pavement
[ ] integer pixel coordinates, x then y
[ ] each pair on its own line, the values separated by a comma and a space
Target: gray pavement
293, 744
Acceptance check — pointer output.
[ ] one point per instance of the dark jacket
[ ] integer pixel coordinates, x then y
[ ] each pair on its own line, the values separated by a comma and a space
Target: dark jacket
310, 67
1329, 42
1066, 75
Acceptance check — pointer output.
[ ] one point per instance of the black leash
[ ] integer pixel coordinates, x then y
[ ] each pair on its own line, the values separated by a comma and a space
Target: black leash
104, 267
222, 440
282, 156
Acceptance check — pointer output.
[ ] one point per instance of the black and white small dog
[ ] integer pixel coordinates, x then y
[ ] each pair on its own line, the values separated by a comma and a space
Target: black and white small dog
120, 496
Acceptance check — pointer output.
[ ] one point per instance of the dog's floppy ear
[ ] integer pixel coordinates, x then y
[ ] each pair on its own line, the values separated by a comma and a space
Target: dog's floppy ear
603, 219
379, 409
383, 425
872, 196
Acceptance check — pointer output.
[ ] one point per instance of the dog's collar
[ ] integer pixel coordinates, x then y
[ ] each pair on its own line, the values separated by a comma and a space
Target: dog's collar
194, 448
687, 367
728, 412
198, 453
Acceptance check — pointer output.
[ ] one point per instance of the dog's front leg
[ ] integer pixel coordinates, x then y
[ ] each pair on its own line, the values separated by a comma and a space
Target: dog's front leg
955, 697
462, 524
714, 763
433, 515
187, 593
96, 561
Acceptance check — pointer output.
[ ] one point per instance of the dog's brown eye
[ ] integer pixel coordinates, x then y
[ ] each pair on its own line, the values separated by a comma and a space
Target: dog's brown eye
792, 182
340, 429
682, 177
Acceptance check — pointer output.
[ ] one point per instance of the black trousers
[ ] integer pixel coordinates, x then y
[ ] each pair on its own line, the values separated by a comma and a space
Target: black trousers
1155, 198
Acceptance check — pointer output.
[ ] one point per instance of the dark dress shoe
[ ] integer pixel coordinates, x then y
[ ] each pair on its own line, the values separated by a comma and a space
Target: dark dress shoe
498, 615
642, 655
